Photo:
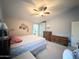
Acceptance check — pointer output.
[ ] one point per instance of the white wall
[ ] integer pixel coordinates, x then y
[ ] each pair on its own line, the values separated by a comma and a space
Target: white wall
59, 27
14, 23
61, 24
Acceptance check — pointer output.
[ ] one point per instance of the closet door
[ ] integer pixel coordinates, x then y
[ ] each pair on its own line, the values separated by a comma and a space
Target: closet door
75, 34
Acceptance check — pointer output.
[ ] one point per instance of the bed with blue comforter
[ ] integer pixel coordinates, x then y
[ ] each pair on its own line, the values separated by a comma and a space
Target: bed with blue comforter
31, 43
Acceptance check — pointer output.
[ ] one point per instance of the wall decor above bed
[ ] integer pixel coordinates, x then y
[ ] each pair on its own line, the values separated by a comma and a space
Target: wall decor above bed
24, 27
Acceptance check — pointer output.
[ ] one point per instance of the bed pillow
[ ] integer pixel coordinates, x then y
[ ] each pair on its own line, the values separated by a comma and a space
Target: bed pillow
15, 39
68, 54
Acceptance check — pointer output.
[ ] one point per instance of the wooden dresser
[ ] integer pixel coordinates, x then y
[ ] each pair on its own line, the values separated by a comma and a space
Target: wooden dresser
47, 35
54, 38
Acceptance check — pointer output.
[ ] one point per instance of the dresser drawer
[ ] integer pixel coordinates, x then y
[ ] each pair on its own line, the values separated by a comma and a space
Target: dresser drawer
47, 35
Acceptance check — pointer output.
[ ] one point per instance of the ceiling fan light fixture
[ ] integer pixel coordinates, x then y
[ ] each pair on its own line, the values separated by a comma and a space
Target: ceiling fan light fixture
41, 13
42, 10
45, 8
35, 10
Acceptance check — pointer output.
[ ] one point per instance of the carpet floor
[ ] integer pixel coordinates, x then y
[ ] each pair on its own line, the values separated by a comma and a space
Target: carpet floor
52, 51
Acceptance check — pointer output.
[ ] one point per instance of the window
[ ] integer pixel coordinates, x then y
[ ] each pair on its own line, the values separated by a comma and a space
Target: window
35, 29
39, 28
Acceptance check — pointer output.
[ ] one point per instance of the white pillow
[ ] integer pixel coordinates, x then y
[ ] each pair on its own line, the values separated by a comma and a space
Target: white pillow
4, 25
68, 54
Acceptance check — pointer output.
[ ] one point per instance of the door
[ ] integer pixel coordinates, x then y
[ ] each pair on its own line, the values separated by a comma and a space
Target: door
75, 34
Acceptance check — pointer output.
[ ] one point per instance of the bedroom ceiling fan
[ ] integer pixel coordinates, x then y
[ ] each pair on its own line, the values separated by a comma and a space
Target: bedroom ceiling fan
41, 11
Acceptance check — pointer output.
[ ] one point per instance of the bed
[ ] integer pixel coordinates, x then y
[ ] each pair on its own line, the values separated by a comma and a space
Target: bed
31, 43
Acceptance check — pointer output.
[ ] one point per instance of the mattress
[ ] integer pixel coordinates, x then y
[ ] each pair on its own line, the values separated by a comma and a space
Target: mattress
31, 43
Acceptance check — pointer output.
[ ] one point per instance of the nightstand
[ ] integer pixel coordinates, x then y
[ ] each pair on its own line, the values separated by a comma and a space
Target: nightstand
47, 35
4, 47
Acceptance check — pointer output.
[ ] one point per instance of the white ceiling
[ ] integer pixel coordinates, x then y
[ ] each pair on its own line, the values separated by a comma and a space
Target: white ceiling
24, 8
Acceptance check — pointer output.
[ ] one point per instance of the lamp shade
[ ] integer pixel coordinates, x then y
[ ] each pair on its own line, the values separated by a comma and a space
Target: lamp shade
3, 29
3, 26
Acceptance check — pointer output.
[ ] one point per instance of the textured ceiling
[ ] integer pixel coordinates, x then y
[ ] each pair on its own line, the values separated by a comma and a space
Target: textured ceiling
24, 8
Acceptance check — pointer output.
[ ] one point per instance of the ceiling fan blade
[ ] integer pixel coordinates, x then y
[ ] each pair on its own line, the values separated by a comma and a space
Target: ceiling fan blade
35, 10
45, 8
46, 12
40, 8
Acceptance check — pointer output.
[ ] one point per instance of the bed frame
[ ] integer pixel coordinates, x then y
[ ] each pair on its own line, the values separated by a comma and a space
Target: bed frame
55, 38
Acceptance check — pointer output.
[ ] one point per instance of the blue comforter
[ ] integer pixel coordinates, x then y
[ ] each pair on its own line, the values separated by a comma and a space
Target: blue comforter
34, 47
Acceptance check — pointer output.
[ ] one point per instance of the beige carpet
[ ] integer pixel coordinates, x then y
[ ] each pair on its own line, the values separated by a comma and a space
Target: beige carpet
52, 51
